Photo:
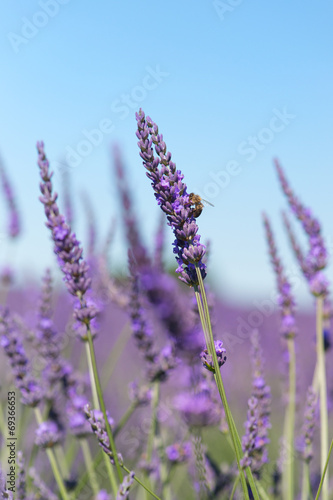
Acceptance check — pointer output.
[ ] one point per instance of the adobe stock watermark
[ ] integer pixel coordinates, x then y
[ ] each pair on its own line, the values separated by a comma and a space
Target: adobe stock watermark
121, 108
31, 27
247, 149
223, 9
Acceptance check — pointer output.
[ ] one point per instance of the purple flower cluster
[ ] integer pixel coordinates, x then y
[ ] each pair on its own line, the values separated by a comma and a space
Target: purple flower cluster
207, 359
255, 440
309, 425
124, 488
158, 363
316, 258
286, 300
66, 246
31, 391
96, 420
47, 434
179, 453
173, 198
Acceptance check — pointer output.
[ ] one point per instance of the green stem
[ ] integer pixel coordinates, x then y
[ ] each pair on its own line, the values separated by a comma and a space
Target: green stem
53, 463
306, 482
89, 465
124, 419
218, 378
322, 396
153, 423
233, 491
99, 403
288, 473
325, 471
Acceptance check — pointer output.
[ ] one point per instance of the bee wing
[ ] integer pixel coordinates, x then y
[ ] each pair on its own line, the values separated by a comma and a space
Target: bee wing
208, 202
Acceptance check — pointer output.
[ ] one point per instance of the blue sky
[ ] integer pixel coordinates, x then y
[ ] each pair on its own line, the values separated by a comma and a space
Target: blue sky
230, 84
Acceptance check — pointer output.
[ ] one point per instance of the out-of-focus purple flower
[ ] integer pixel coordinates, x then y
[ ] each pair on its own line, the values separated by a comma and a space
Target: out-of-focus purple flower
207, 359
130, 221
173, 310
198, 410
124, 488
47, 434
285, 299
7, 276
31, 392
139, 395
255, 440
48, 341
309, 425
77, 422
171, 194
5, 494
161, 364
141, 328
14, 226
96, 420
21, 479
316, 258
66, 246
102, 495
178, 453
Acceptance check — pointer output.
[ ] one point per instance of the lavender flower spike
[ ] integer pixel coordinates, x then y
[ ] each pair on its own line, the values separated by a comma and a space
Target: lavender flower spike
173, 198
10, 340
316, 258
66, 246
124, 488
286, 300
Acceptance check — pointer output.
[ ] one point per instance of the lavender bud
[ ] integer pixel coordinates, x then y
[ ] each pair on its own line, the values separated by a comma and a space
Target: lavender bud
207, 359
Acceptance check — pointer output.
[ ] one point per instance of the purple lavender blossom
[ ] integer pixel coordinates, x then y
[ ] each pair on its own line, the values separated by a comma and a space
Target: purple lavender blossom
207, 359
139, 395
102, 495
96, 420
171, 194
316, 258
21, 480
47, 434
309, 425
14, 226
31, 392
66, 246
285, 300
198, 409
178, 453
124, 488
255, 440
173, 309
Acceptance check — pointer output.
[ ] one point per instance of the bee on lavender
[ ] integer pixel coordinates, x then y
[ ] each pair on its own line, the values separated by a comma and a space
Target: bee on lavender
198, 204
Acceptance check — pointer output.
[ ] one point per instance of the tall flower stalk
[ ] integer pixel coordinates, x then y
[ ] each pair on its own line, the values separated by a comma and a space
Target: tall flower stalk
75, 270
173, 198
312, 265
288, 330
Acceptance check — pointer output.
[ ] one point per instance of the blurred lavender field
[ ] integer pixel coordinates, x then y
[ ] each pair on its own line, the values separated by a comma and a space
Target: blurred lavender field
129, 361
